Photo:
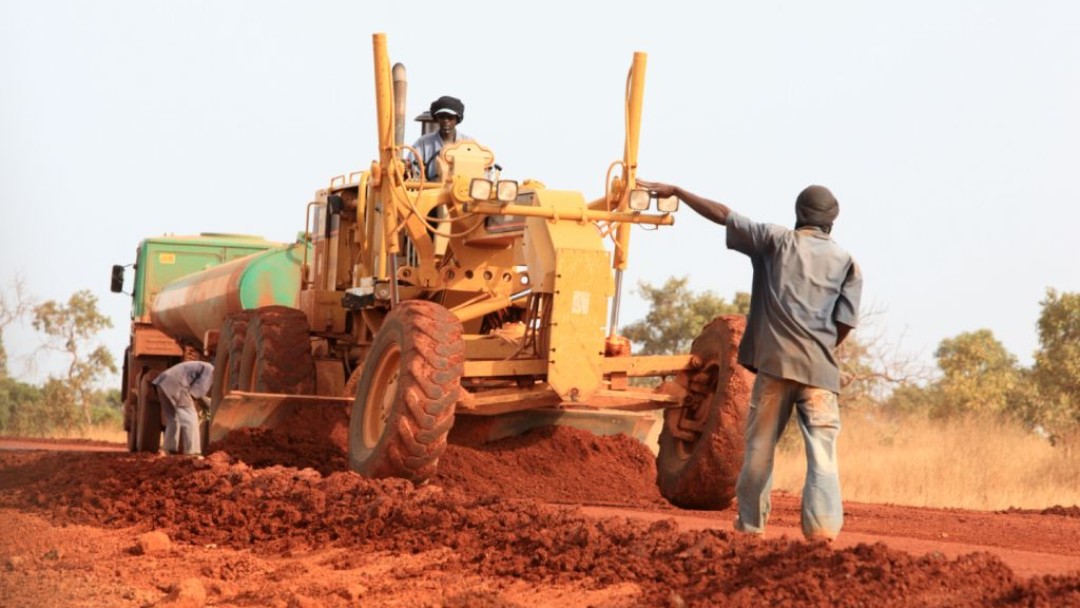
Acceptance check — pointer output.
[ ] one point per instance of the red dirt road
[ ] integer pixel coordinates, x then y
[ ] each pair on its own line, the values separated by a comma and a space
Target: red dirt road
496, 528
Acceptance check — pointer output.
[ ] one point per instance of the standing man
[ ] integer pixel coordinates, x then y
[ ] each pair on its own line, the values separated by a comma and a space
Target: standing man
449, 112
178, 387
804, 302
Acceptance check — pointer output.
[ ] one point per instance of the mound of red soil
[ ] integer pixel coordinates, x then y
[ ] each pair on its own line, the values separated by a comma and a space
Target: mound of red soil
309, 438
555, 464
278, 509
1073, 511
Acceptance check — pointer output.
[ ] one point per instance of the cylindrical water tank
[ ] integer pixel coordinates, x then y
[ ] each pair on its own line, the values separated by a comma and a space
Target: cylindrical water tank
195, 304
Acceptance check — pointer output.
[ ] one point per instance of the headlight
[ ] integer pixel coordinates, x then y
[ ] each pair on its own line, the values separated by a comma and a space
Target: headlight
639, 199
506, 190
667, 205
480, 189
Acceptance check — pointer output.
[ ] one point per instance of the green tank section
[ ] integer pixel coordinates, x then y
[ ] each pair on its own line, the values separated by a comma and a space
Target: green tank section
164, 259
198, 303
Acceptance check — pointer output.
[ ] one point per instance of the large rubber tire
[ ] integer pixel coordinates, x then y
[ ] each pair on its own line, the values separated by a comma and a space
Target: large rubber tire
148, 418
133, 431
130, 405
405, 400
230, 353
702, 443
277, 353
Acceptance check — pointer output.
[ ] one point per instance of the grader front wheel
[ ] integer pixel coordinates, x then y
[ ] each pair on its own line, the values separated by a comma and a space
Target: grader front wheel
701, 444
409, 387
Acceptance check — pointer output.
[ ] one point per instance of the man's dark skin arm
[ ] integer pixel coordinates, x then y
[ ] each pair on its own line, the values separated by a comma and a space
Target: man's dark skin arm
710, 210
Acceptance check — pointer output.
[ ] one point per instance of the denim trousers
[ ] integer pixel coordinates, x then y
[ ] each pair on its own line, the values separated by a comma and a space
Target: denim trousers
818, 416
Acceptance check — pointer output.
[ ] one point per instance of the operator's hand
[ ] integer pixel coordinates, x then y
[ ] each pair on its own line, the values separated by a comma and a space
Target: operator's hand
660, 190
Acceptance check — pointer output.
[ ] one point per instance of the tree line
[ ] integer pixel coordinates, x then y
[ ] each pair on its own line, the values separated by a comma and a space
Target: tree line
975, 374
65, 403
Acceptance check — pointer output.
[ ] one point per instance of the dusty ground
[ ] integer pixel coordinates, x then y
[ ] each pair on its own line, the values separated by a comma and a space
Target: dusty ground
501, 526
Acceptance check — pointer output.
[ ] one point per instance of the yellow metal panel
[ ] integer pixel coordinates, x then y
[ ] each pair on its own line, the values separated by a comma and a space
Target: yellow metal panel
651, 365
489, 347
544, 237
579, 304
323, 310
509, 400
514, 367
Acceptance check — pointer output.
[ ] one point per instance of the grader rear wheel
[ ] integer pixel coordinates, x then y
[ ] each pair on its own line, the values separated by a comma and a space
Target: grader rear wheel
230, 353
277, 353
409, 387
702, 443
148, 418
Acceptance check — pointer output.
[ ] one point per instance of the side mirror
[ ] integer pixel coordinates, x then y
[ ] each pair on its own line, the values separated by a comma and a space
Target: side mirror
117, 285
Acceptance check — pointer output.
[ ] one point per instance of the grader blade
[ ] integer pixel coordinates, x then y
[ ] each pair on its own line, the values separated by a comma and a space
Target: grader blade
266, 410
476, 430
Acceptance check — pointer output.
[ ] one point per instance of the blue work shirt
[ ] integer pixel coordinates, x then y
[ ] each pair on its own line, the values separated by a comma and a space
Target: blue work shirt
429, 147
186, 381
804, 284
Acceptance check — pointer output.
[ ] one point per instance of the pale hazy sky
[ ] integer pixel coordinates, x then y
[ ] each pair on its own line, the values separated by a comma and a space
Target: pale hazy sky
949, 131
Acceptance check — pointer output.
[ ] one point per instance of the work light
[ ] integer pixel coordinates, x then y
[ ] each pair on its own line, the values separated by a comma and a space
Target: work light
506, 190
480, 189
668, 204
639, 199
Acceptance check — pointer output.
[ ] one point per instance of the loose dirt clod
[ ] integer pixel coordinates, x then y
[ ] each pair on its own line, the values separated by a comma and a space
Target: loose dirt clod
152, 542
188, 593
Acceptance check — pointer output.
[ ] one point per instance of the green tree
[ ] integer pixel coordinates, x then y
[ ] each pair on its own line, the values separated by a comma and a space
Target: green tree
69, 329
978, 374
107, 407
17, 401
677, 315
1052, 401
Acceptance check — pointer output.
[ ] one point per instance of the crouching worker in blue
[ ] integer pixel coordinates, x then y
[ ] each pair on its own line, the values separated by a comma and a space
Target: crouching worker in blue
804, 302
178, 387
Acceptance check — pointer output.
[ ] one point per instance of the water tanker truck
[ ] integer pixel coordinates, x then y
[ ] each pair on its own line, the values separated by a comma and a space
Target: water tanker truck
468, 301
175, 318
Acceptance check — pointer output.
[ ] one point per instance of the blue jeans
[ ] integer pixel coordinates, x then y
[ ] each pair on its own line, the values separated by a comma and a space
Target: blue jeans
819, 420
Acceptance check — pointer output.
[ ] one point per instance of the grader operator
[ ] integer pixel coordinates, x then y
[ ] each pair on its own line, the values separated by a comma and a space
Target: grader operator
472, 299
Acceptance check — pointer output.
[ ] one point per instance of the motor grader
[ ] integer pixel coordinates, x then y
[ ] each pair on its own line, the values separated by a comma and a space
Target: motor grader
476, 302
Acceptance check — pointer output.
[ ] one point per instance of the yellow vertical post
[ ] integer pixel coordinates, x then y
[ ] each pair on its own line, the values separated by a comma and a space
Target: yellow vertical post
635, 94
630, 152
384, 99
384, 109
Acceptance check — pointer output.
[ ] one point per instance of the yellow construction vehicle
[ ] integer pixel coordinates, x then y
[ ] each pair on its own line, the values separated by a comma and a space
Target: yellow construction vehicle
471, 298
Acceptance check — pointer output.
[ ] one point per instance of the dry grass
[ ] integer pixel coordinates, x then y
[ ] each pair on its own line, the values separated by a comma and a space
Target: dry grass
971, 464
112, 433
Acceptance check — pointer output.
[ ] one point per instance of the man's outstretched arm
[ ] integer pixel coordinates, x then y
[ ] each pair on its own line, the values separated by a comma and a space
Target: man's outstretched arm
710, 210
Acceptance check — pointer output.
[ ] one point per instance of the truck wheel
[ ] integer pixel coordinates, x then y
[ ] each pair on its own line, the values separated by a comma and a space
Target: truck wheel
407, 393
702, 443
133, 430
277, 353
130, 404
148, 419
